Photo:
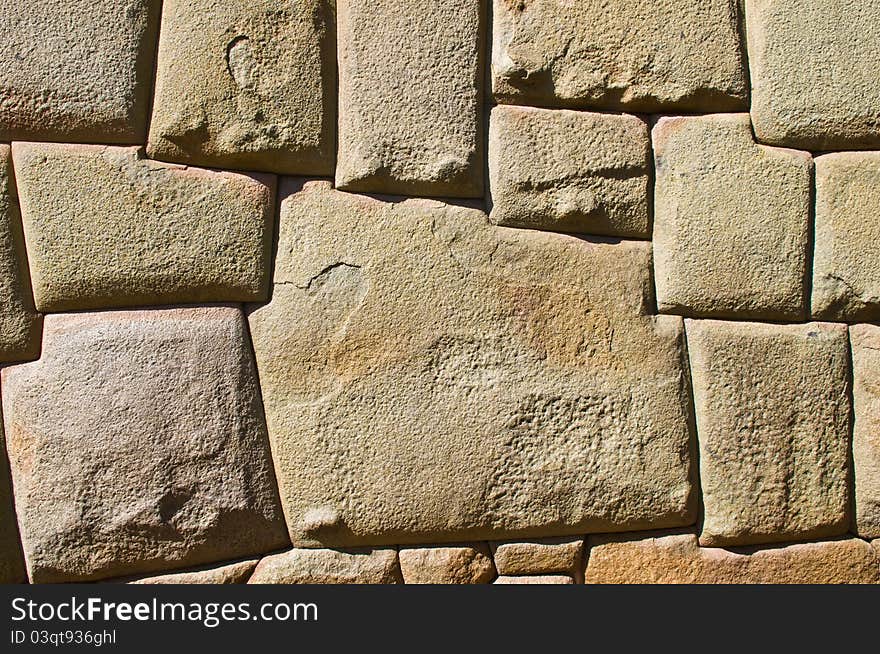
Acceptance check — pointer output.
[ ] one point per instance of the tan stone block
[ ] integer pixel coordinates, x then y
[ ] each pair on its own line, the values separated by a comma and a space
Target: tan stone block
430, 378
137, 444
308, 566
246, 84
77, 70
411, 97
560, 555
465, 564
772, 411
814, 72
731, 224
569, 171
232, 573
865, 341
11, 562
638, 55
846, 275
19, 322
542, 580
107, 228
678, 559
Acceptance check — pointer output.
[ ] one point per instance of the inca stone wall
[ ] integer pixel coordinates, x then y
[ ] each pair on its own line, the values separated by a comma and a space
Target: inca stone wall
458, 291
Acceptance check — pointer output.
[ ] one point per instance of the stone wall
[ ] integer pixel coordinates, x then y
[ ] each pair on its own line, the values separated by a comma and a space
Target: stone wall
523, 291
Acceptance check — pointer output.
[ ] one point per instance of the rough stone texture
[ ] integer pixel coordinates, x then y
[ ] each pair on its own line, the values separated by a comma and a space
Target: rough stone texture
233, 573
569, 171
306, 566
772, 410
430, 378
19, 322
731, 224
107, 228
247, 84
846, 273
678, 559
639, 55
411, 97
465, 564
11, 562
77, 70
557, 555
814, 72
542, 580
865, 341
137, 444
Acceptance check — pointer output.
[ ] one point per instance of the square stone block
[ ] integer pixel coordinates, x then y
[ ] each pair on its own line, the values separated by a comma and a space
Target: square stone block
772, 407
731, 221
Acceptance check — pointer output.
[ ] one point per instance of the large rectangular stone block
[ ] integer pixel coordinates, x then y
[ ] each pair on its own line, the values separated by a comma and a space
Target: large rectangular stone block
846, 259
678, 559
814, 72
637, 55
731, 221
431, 378
19, 321
76, 70
570, 171
137, 444
411, 97
106, 227
865, 342
246, 84
772, 407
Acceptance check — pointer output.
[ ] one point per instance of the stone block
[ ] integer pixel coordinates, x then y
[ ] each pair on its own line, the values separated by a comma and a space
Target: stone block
411, 97
678, 559
814, 73
247, 85
19, 322
846, 260
772, 407
638, 55
538, 580
732, 221
317, 566
430, 378
77, 70
137, 444
106, 227
231, 573
570, 171
548, 556
453, 564
865, 342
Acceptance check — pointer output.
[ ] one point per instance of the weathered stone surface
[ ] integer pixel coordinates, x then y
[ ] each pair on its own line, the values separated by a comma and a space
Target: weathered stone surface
865, 341
108, 228
731, 224
233, 573
137, 444
78, 70
536, 580
569, 171
814, 72
846, 262
307, 566
431, 378
19, 322
772, 411
556, 555
248, 84
418, 133
642, 55
678, 559
11, 562
463, 564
